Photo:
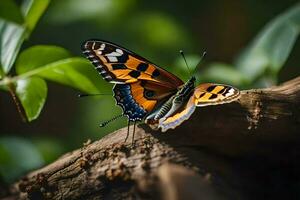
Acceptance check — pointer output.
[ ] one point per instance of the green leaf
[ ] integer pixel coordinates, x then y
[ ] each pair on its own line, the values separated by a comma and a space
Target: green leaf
17, 156
52, 63
12, 36
38, 56
72, 72
32, 93
271, 48
10, 11
223, 73
33, 10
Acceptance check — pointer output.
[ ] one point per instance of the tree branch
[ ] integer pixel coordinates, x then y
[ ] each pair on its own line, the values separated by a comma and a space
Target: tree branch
227, 151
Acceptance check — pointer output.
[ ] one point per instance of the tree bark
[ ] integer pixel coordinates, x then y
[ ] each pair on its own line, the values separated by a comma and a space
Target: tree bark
247, 149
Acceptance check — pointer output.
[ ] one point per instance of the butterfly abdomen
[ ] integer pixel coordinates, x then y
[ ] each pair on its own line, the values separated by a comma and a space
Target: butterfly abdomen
164, 109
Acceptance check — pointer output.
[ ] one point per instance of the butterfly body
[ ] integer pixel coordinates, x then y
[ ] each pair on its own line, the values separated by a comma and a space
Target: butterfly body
147, 92
174, 103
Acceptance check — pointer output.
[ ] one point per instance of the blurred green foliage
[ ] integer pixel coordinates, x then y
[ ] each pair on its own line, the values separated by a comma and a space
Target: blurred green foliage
13, 35
269, 51
10, 11
13, 152
147, 29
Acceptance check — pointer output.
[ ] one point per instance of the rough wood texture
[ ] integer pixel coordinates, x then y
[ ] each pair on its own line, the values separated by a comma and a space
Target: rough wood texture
244, 150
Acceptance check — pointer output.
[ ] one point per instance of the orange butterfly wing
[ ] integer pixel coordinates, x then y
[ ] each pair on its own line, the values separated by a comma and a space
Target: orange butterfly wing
204, 95
140, 84
119, 65
213, 94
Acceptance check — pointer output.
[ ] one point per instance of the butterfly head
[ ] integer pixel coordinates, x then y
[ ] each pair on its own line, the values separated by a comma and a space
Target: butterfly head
186, 90
191, 82
193, 79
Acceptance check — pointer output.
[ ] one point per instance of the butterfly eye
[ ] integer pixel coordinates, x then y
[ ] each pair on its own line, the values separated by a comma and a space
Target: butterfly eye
149, 93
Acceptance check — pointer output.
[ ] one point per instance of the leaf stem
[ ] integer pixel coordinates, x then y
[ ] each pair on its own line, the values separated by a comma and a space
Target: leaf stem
11, 89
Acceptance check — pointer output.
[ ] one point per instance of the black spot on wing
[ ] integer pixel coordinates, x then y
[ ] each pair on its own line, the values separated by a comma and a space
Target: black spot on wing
211, 88
108, 49
118, 66
213, 96
149, 93
226, 90
222, 91
134, 74
201, 95
123, 58
155, 73
142, 67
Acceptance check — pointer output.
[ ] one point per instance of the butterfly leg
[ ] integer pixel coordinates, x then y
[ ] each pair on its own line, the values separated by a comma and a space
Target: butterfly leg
132, 142
128, 125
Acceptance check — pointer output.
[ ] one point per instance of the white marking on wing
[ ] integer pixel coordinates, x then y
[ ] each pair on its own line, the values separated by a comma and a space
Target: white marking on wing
230, 92
102, 47
112, 59
119, 51
95, 61
114, 54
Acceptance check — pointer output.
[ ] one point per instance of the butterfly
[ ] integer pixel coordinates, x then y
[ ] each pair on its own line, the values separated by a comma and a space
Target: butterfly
147, 92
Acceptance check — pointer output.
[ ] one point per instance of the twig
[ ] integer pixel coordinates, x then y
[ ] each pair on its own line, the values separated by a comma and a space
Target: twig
11, 89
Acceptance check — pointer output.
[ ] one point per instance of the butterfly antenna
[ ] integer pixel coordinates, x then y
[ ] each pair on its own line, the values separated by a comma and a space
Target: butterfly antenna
111, 120
182, 54
88, 95
204, 53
